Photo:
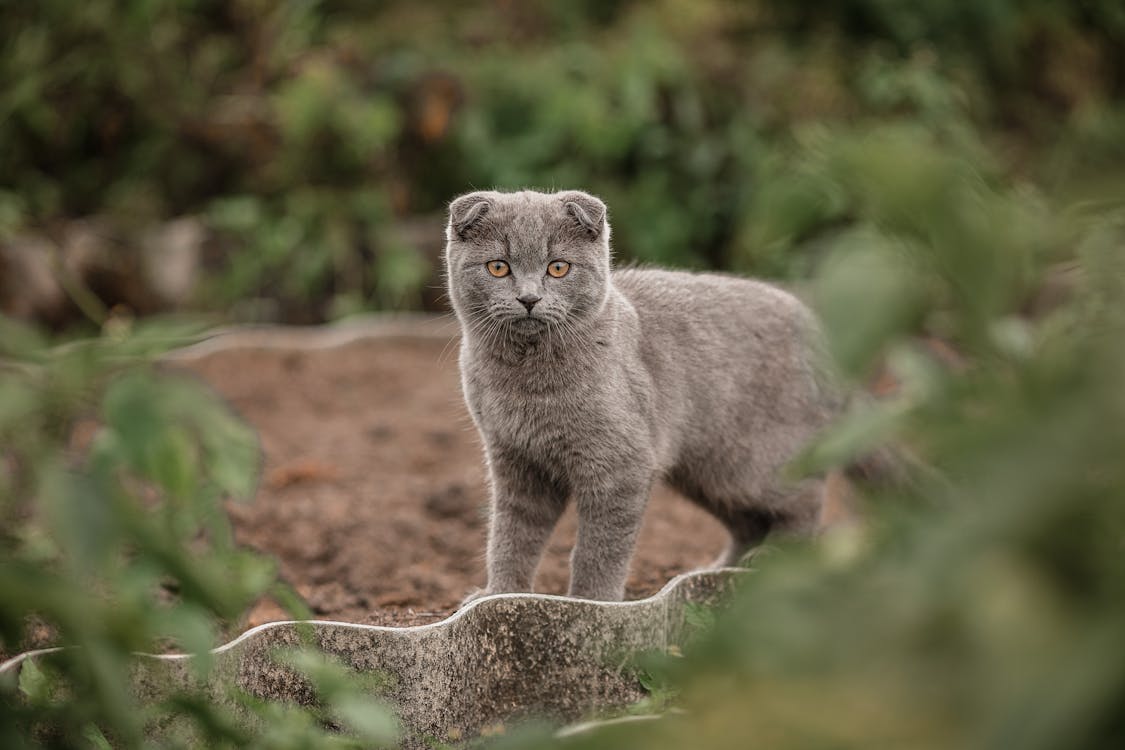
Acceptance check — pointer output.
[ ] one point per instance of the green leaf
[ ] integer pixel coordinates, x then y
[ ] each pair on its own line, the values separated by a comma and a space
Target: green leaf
82, 518
18, 340
236, 214
19, 400
868, 292
132, 408
372, 721
173, 462
94, 736
862, 429
194, 630
232, 455
34, 682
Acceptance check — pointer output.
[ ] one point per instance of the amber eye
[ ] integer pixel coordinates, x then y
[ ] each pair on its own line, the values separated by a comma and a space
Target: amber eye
498, 268
558, 268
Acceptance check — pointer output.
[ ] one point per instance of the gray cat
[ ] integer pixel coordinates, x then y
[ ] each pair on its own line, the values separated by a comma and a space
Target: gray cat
592, 384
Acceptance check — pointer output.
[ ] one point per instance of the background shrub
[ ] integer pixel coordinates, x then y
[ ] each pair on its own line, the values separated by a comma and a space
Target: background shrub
945, 181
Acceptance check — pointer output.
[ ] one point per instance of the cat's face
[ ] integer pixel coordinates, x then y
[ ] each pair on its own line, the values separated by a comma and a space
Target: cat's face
524, 264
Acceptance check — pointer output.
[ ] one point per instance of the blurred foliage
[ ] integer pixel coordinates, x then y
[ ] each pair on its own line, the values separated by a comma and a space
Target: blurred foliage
949, 178
983, 605
309, 134
113, 540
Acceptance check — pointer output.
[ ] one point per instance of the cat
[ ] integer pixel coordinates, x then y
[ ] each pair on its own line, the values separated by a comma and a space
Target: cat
592, 384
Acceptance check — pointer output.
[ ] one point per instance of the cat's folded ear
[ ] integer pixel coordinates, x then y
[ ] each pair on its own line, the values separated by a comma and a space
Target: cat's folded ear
587, 210
465, 212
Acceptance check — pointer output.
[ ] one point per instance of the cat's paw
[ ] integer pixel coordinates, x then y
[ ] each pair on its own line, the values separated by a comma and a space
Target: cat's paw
474, 595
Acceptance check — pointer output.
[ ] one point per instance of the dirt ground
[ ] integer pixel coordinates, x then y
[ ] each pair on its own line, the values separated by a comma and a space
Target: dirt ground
373, 495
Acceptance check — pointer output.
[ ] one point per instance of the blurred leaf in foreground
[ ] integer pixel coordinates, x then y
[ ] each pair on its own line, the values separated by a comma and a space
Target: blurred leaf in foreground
113, 541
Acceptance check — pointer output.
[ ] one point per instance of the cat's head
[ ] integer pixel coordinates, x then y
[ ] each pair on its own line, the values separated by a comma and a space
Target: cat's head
527, 262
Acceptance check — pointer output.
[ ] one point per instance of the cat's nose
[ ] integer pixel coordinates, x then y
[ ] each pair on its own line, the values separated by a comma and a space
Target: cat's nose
528, 301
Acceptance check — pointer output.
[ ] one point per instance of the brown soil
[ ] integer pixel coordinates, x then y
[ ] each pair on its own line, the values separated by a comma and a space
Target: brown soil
373, 495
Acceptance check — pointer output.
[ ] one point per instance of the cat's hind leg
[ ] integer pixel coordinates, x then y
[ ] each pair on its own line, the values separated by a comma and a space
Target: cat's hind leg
747, 528
792, 512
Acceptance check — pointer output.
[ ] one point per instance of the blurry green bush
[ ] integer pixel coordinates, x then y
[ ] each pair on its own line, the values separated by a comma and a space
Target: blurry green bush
983, 606
950, 169
306, 133
113, 538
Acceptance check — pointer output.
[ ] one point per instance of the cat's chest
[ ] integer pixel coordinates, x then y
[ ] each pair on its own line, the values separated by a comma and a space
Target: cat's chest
503, 406
517, 410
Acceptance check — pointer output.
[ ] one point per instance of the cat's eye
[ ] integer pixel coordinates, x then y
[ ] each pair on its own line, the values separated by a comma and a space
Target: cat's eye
498, 268
558, 268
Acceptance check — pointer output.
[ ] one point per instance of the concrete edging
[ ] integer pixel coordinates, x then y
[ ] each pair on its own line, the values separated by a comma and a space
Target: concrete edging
501, 658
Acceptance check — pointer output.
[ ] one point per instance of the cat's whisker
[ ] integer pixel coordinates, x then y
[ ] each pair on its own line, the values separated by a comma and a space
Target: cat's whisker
447, 350
574, 339
494, 335
507, 333
451, 319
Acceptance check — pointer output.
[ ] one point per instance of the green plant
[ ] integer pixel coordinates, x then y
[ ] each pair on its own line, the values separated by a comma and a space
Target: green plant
304, 133
113, 540
981, 606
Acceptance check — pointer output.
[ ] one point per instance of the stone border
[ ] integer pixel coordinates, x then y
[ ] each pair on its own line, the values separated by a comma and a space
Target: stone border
328, 336
501, 658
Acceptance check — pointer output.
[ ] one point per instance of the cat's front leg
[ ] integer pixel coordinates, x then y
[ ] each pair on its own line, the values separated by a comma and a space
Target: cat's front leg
526, 505
608, 524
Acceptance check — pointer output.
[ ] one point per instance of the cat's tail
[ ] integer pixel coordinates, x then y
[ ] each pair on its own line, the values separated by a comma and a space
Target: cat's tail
890, 467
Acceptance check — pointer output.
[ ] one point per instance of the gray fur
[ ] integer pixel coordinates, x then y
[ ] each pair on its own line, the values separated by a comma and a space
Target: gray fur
615, 379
